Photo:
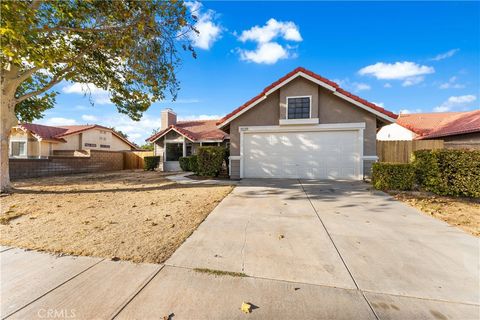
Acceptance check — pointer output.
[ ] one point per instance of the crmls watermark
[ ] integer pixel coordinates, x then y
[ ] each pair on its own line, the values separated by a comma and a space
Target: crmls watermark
56, 313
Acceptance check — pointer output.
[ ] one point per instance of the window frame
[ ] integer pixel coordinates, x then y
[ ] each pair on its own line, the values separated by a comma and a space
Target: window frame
309, 107
25, 150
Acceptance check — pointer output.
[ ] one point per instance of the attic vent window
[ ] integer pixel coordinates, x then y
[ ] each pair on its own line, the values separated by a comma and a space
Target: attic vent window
298, 107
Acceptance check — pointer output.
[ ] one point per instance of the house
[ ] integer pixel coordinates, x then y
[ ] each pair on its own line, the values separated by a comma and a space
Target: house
457, 129
304, 126
182, 138
28, 140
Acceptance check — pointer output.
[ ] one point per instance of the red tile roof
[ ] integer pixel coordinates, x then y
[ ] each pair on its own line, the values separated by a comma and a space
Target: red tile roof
335, 86
436, 125
196, 130
58, 132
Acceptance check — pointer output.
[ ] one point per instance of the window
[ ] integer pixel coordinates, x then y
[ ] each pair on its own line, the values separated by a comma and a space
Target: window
174, 151
298, 108
104, 146
92, 145
18, 148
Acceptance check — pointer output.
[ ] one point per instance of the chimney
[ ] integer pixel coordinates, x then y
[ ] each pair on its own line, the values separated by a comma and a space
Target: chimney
168, 118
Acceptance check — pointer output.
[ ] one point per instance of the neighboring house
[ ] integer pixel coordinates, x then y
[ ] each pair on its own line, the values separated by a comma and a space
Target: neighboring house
304, 126
182, 138
29, 140
457, 129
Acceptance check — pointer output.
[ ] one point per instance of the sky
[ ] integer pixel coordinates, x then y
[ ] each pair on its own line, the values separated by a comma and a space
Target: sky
407, 57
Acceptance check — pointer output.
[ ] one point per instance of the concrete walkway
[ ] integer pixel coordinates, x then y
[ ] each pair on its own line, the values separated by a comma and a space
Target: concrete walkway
310, 250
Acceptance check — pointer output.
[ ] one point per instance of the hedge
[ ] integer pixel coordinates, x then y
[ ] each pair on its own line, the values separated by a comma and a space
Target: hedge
150, 163
189, 163
393, 176
210, 160
193, 163
448, 172
184, 163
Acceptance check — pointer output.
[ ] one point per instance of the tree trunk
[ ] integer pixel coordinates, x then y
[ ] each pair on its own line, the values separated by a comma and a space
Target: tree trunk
7, 121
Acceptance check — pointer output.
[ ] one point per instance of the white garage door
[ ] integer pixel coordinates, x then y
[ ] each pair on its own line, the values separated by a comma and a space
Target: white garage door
305, 155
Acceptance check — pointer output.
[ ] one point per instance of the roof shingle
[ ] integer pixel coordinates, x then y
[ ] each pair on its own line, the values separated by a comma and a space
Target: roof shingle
195, 130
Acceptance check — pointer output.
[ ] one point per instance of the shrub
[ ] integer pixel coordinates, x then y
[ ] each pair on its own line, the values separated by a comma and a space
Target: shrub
150, 163
448, 172
189, 163
393, 176
184, 163
193, 163
210, 160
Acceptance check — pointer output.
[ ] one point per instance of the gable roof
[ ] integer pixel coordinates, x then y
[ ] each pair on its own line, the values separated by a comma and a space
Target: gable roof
195, 130
58, 132
435, 125
324, 82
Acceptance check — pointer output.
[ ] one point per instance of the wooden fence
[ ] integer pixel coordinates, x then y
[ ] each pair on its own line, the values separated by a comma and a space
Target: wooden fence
401, 151
134, 159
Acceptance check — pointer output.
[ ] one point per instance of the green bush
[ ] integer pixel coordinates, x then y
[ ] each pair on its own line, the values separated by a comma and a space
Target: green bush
448, 172
150, 163
210, 160
184, 163
193, 163
393, 176
189, 163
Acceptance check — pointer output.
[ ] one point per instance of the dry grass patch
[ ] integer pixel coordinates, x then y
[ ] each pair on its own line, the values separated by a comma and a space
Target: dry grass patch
461, 212
131, 215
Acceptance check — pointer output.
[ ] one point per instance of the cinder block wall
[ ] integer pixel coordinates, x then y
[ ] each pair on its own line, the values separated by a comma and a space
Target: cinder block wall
98, 161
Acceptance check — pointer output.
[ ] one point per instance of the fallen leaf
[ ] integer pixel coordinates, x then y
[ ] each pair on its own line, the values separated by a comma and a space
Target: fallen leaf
246, 307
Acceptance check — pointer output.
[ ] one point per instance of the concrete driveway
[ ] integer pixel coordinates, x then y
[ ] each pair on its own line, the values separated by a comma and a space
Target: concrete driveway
309, 250
391, 258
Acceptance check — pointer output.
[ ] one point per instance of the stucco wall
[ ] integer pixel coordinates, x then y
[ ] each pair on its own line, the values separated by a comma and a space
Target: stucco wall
72, 143
463, 141
326, 106
299, 87
333, 109
93, 136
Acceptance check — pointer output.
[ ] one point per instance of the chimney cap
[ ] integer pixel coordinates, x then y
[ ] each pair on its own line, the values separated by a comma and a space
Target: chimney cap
168, 110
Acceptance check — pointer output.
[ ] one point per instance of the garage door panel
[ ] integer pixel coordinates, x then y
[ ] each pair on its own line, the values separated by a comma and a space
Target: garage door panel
306, 155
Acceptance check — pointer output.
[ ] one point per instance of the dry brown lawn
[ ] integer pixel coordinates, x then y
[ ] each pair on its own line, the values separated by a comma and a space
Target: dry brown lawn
129, 215
461, 212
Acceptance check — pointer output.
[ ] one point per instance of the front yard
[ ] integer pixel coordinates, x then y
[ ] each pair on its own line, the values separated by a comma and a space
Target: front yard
129, 215
460, 212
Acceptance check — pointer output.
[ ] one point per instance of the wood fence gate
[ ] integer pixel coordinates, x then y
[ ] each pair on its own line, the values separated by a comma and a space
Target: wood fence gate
134, 159
401, 151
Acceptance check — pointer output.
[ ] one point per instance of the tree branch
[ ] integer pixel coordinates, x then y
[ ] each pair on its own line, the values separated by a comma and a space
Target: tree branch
53, 82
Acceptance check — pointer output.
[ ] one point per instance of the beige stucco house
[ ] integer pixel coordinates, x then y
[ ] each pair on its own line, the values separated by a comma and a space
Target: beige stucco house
304, 126
29, 140
182, 138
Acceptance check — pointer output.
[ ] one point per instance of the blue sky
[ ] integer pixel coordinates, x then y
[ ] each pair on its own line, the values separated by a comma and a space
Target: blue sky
405, 56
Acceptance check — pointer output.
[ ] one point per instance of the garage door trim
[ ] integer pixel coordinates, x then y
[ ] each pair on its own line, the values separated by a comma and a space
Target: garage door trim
356, 126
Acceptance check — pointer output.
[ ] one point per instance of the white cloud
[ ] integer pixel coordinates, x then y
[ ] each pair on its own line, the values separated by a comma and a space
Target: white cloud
200, 117
387, 85
354, 86
455, 102
412, 81
396, 71
445, 55
268, 53
408, 111
89, 117
208, 30
380, 104
99, 96
267, 50
58, 121
361, 86
452, 84
271, 30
